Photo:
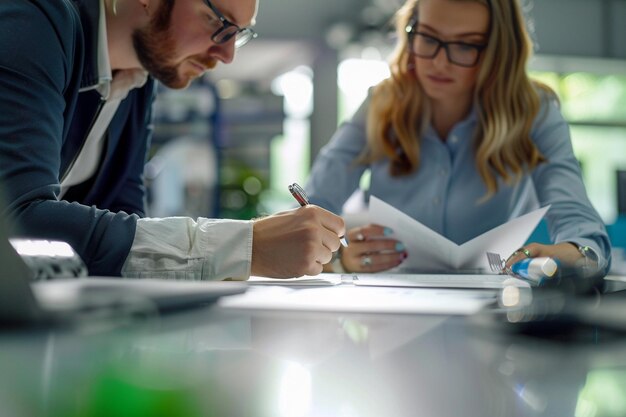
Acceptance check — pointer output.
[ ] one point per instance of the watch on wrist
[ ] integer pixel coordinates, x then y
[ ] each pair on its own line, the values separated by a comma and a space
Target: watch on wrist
588, 253
590, 257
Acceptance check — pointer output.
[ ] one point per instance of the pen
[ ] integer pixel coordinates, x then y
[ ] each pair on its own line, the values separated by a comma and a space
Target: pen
300, 195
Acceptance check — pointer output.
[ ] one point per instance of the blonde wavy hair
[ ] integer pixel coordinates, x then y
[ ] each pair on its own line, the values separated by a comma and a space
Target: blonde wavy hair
505, 99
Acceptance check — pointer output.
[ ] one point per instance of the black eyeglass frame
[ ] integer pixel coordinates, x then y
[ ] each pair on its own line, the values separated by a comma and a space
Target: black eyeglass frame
446, 45
412, 33
242, 35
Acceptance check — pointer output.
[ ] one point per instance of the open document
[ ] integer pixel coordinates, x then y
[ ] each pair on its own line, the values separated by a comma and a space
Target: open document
431, 252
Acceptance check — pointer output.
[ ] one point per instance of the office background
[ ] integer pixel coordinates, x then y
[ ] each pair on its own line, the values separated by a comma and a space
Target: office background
230, 144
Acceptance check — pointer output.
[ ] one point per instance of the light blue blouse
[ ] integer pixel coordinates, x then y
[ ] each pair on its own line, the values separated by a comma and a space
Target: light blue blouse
444, 194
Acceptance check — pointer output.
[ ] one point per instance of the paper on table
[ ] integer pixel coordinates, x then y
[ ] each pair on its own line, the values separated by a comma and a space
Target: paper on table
307, 280
430, 251
482, 281
362, 300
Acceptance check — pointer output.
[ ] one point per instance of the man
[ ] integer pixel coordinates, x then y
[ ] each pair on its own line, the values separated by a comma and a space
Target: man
75, 115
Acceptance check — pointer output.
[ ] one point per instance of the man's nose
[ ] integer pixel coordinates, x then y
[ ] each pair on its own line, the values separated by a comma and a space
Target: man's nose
224, 52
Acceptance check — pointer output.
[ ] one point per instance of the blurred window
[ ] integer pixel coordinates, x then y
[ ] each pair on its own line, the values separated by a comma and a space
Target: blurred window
595, 107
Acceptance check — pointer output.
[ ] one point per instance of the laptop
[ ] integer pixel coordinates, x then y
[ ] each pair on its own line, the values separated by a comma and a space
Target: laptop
23, 300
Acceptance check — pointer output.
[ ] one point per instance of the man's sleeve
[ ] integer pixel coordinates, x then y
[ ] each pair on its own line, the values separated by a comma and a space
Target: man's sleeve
41, 53
181, 248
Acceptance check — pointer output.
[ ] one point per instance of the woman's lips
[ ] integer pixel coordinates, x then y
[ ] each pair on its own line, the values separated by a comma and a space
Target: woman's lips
440, 79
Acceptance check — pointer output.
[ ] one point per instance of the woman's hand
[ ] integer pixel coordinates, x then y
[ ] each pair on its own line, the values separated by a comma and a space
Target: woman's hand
567, 253
370, 250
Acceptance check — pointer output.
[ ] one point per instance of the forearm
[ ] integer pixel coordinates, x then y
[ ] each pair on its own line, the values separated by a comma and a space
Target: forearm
101, 238
181, 248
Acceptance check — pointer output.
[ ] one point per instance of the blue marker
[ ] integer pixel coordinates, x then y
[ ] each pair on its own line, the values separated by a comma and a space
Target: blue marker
535, 269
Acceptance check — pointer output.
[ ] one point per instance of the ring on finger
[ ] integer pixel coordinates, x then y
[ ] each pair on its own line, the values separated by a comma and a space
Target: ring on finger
359, 237
517, 252
366, 260
526, 252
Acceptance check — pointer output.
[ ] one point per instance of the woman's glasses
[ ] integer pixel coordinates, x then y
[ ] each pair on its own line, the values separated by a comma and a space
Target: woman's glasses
459, 53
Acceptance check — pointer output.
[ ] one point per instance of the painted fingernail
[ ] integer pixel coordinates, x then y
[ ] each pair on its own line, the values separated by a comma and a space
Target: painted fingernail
400, 247
387, 231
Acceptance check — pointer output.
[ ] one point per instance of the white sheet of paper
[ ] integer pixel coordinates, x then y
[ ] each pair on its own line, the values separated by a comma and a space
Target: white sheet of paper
304, 281
362, 300
485, 281
430, 251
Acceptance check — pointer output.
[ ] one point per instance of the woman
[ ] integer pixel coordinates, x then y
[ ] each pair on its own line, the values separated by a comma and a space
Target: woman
459, 138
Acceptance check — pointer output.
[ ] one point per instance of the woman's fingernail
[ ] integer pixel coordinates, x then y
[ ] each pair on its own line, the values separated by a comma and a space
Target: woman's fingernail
387, 231
399, 247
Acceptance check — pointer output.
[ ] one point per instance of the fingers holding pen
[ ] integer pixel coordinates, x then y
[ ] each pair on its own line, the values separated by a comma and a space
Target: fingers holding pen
321, 226
295, 243
333, 222
333, 225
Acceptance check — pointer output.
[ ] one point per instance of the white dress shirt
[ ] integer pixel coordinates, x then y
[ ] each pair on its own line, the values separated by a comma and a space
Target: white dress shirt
181, 248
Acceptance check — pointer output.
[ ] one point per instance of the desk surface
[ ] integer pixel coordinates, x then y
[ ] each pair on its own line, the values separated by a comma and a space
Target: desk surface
219, 362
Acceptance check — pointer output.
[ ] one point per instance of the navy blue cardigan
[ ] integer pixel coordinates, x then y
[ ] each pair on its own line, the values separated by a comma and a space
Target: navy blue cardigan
47, 54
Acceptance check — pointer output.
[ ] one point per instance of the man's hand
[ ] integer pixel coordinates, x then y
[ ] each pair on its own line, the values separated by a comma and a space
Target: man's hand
295, 243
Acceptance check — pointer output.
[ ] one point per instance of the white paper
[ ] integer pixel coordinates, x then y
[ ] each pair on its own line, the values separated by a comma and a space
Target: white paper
305, 281
430, 251
484, 281
349, 298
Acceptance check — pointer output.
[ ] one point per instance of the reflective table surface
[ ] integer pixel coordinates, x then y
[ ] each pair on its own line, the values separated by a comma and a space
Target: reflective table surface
219, 362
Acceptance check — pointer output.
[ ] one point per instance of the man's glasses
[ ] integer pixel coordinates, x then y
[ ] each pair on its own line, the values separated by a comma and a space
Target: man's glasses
458, 53
229, 29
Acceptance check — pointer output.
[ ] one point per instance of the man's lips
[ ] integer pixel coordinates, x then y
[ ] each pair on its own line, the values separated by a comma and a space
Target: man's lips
200, 68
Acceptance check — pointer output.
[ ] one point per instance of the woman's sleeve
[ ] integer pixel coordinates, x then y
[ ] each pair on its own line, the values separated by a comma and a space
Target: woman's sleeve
336, 174
558, 182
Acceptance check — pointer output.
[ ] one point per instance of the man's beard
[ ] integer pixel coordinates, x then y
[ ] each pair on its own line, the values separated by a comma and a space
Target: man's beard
154, 44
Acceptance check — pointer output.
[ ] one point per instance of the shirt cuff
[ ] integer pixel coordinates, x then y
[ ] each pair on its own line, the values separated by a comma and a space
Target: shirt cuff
593, 246
181, 248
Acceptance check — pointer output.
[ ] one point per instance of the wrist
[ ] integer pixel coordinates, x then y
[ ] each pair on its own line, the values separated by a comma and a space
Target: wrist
588, 257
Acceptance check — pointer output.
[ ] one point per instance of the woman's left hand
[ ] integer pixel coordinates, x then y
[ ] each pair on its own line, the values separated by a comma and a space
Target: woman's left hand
371, 250
567, 253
